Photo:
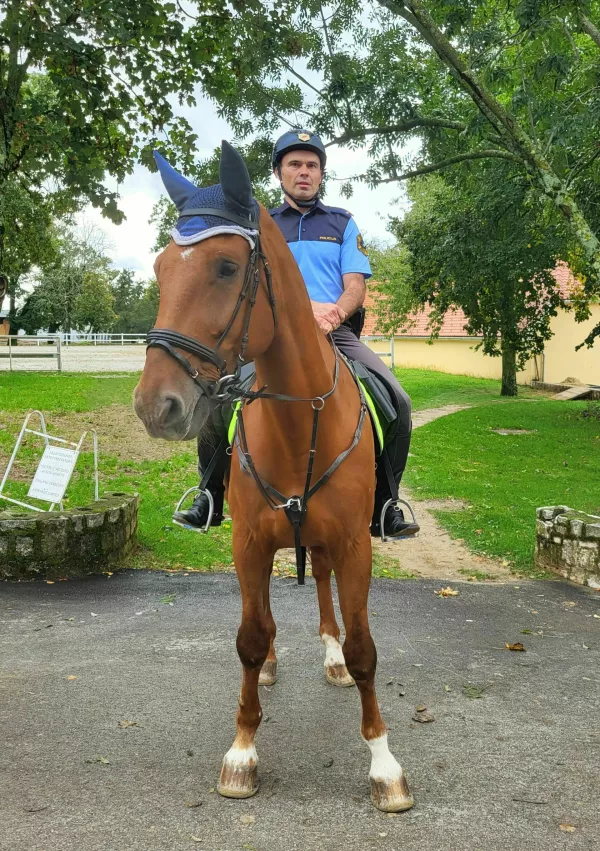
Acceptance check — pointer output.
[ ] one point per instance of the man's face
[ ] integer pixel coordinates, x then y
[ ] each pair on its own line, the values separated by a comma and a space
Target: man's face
301, 174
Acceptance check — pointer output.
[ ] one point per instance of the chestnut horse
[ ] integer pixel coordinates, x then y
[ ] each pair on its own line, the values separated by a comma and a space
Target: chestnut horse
201, 288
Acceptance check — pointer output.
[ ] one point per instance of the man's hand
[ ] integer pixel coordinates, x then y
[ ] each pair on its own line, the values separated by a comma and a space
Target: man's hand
329, 316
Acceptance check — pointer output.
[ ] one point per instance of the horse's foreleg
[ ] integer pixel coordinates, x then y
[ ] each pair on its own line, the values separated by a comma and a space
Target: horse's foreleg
389, 788
239, 775
336, 671
268, 672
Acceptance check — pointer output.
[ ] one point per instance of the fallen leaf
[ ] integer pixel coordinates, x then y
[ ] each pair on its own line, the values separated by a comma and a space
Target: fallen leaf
49, 582
247, 819
516, 646
195, 838
193, 804
102, 759
447, 688
71, 677
597, 616
420, 708
567, 828
446, 592
124, 724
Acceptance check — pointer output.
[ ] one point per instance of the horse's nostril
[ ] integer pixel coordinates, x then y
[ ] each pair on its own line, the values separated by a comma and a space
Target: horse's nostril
171, 411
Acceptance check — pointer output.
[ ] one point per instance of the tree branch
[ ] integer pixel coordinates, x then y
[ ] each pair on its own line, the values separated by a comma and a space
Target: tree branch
403, 127
459, 158
589, 27
582, 166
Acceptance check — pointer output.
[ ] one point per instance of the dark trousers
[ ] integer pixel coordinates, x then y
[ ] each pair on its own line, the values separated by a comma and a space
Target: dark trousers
397, 444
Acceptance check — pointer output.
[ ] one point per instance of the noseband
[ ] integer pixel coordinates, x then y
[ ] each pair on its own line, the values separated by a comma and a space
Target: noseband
227, 388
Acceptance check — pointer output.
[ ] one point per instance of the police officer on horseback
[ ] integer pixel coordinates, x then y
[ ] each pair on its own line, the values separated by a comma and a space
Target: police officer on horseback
329, 250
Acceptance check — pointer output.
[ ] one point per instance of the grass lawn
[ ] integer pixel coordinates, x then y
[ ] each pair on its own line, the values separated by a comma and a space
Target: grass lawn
503, 478
430, 389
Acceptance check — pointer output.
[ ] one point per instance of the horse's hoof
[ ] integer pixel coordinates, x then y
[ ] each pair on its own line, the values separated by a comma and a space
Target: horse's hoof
268, 673
238, 780
338, 675
391, 796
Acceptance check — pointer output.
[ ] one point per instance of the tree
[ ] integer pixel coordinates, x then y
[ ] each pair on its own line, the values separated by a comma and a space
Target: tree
87, 88
392, 274
513, 82
479, 244
143, 315
56, 302
30, 236
127, 293
93, 308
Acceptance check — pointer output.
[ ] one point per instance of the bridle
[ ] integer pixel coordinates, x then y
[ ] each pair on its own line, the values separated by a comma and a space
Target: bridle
227, 388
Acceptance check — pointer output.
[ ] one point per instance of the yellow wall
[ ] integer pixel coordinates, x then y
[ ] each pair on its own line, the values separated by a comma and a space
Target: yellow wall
457, 354
560, 358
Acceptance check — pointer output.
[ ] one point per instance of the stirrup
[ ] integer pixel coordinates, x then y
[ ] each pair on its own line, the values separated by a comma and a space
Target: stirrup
384, 539
211, 509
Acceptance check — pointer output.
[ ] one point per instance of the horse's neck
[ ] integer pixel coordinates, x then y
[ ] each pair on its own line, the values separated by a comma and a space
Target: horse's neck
299, 361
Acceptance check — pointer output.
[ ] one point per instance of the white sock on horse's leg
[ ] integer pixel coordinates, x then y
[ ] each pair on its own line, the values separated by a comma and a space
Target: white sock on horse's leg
336, 671
239, 774
389, 789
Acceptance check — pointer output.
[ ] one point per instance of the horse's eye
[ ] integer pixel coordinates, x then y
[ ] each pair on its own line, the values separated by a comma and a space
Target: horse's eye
227, 269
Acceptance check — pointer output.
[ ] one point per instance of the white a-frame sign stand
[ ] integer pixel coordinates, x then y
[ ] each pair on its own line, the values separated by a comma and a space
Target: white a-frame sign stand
56, 466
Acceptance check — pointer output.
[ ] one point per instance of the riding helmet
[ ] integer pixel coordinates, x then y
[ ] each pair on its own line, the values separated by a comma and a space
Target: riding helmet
298, 140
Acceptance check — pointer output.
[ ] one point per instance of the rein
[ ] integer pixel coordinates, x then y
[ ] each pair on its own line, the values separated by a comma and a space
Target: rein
228, 389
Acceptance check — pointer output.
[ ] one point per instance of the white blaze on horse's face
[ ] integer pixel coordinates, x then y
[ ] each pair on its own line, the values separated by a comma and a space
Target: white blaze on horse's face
186, 253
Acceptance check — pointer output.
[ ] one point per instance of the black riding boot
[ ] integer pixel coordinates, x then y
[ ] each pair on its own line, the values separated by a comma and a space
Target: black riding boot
197, 515
390, 466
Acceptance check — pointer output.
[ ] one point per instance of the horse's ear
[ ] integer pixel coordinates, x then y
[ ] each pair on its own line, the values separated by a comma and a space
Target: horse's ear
180, 189
235, 180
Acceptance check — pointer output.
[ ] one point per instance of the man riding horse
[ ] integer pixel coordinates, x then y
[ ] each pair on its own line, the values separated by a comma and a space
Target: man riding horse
329, 250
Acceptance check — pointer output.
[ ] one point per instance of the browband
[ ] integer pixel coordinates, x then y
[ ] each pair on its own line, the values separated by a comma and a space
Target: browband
222, 214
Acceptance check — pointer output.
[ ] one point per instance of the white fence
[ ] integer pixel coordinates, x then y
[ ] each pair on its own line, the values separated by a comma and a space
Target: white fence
382, 354
16, 348
101, 339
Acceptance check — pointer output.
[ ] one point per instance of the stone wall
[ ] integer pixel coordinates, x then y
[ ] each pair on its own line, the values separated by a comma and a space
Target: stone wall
568, 543
61, 544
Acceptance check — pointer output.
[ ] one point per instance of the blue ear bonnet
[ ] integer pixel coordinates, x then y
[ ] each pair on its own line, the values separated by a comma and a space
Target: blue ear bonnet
200, 208
211, 197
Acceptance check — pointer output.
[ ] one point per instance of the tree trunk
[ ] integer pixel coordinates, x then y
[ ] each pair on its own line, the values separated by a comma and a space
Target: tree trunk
509, 372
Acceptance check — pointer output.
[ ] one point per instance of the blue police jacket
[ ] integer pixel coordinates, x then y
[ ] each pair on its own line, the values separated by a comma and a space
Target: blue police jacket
326, 244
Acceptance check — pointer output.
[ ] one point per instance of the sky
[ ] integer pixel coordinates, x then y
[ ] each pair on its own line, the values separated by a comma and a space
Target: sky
131, 242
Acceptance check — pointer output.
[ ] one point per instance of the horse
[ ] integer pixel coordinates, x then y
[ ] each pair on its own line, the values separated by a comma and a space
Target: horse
238, 296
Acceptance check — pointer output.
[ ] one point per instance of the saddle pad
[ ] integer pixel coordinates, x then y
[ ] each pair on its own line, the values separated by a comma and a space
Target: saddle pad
375, 419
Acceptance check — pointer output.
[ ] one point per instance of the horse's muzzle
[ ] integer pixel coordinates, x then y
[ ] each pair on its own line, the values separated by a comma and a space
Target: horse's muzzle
169, 415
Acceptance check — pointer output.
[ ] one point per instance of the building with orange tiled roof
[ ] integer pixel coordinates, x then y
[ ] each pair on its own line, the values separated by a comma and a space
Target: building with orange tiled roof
454, 350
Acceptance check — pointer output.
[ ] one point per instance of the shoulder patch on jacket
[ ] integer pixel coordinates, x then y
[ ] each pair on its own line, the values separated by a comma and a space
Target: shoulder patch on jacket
360, 244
